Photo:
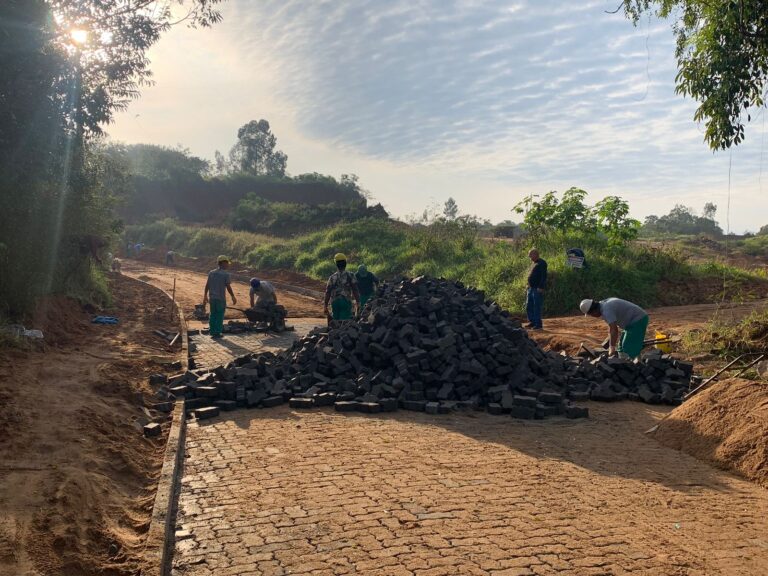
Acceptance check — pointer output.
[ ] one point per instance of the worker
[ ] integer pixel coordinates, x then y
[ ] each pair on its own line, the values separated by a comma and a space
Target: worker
129, 249
116, 265
137, 248
620, 314
534, 296
169, 258
262, 293
367, 283
218, 284
341, 291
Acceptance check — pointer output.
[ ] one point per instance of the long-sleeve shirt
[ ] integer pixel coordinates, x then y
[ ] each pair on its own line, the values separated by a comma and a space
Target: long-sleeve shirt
537, 276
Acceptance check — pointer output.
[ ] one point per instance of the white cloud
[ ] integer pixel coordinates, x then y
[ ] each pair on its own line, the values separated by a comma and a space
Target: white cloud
424, 97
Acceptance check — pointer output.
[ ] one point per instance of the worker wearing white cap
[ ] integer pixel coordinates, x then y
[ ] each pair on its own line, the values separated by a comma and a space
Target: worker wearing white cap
620, 315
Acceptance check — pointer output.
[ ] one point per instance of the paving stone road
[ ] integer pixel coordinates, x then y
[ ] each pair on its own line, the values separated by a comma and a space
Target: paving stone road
278, 491
209, 353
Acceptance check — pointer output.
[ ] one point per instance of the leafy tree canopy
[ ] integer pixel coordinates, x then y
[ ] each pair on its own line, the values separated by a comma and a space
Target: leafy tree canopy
722, 54
683, 220
570, 214
254, 153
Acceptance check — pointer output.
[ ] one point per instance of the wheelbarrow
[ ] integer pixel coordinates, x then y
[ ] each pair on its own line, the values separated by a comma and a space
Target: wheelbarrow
272, 315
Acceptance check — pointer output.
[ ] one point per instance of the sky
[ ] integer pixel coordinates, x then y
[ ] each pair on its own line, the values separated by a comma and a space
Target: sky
485, 101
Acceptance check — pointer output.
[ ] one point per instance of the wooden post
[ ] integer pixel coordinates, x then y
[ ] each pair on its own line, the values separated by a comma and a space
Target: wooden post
173, 298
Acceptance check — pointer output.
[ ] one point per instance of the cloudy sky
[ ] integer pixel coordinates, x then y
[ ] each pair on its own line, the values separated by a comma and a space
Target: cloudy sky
482, 100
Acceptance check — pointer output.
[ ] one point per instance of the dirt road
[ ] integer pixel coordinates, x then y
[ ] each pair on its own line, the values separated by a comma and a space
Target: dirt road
190, 285
77, 477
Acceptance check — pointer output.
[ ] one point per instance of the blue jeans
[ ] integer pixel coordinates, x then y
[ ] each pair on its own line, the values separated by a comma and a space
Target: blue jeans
533, 303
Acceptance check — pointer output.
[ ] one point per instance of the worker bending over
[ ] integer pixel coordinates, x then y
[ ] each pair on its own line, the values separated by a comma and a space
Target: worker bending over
366, 283
262, 293
620, 314
341, 291
218, 284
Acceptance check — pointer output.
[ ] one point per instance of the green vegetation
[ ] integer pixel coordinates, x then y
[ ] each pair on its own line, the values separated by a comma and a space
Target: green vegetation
453, 249
608, 219
684, 221
754, 246
66, 67
723, 338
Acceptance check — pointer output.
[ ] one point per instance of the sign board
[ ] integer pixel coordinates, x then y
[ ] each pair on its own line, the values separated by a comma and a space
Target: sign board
575, 261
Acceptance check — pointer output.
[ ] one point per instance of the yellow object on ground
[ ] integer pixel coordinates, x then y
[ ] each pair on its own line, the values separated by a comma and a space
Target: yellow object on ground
665, 347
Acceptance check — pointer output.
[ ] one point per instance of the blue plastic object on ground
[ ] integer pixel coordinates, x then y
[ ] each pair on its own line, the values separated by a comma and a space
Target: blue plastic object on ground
105, 320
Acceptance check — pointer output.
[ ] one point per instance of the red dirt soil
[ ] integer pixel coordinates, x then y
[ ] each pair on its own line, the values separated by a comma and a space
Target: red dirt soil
77, 477
206, 264
726, 424
190, 285
568, 332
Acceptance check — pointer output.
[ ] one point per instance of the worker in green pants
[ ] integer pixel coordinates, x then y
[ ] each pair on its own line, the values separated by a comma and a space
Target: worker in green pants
341, 292
621, 316
367, 283
218, 284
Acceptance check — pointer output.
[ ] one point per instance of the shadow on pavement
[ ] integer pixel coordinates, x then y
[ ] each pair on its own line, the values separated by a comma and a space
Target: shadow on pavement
612, 442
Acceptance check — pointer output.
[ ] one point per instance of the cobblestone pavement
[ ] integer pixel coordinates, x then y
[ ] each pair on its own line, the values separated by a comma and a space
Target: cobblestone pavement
277, 492
210, 353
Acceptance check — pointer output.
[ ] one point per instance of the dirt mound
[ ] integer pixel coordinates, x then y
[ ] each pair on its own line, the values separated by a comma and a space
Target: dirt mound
727, 425
61, 319
76, 475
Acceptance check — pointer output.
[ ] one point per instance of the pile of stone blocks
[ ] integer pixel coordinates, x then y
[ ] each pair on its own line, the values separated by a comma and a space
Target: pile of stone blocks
655, 379
434, 346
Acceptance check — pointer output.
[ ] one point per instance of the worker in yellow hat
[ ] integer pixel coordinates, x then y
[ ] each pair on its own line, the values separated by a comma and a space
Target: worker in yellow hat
341, 292
218, 284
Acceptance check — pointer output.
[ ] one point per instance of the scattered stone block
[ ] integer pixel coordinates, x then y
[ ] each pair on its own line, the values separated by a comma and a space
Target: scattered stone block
152, 430
206, 413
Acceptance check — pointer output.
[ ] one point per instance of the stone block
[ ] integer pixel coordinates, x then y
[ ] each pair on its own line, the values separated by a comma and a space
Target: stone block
207, 412
345, 406
272, 401
301, 403
226, 405
152, 430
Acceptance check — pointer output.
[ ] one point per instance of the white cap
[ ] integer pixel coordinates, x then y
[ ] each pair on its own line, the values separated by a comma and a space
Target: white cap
585, 306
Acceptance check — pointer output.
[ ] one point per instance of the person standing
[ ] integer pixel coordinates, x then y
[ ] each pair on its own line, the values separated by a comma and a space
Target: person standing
620, 314
537, 283
218, 284
341, 290
367, 283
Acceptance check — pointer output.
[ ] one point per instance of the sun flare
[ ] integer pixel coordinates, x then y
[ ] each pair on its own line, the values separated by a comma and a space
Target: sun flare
78, 35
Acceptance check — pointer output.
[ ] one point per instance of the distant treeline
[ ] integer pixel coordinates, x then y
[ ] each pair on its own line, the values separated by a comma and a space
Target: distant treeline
166, 182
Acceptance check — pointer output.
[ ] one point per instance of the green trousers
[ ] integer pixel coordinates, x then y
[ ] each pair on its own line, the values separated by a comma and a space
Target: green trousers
632, 338
364, 298
216, 321
341, 309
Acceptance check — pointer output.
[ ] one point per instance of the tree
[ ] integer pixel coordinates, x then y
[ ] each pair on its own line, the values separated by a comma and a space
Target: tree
65, 67
255, 151
609, 217
722, 55
612, 215
683, 220
450, 209
709, 211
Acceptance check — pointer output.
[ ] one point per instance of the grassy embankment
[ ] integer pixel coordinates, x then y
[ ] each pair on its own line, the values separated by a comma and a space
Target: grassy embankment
392, 249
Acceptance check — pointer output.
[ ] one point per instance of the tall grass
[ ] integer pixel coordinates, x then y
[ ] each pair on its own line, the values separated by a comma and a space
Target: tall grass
452, 250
